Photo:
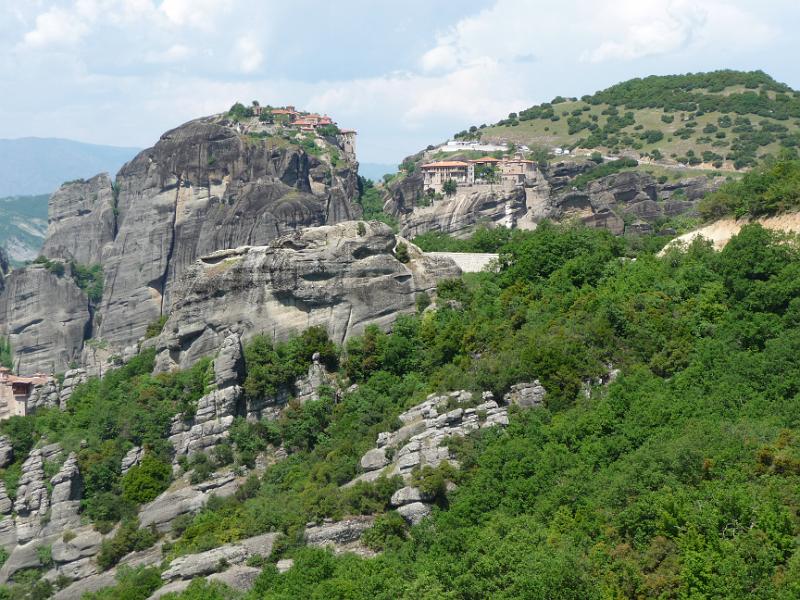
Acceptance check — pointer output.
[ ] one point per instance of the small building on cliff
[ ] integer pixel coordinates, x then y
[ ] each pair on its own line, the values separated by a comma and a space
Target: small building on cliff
508, 173
15, 392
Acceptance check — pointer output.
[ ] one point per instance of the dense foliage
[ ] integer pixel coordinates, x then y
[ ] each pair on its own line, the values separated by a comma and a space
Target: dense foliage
665, 464
371, 200
104, 419
770, 189
679, 479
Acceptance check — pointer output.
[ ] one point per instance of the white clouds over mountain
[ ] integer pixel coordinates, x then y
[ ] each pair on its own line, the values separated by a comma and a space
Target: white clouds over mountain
122, 71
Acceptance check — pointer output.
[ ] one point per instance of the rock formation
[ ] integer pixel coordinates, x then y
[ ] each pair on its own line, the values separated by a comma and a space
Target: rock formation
45, 316
343, 277
632, 197
208, 185
81, 220
205, 187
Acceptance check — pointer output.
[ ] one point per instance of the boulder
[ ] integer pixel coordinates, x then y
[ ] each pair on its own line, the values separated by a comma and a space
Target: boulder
338, 534
374, 459
414, 512
407, 495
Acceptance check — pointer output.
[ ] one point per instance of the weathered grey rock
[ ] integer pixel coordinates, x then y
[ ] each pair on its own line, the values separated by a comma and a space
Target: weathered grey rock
81, 221
407, 495
174, 587
75, 558
374, 459
526, 395
132, 458
32, 500
45, 317
240, 577
211, 561
333, 276
44, 395
5, 502
204, 187
414, 512
72, 379
6, 453
229, 366
459, 214
23, 556
187, 500
307, 388
284, 565
86, 585
338, 534
65, 498
211, 423
421, 441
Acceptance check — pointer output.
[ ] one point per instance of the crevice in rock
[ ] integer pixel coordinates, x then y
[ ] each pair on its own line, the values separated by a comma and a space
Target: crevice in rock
168, 260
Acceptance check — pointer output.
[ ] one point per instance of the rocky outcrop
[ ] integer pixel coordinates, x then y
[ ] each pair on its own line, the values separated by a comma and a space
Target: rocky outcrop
343, 277
341, 536
205, 187
65, 499
184, 499
72, 379
81, 221
458, 215
630, 196
420, 441
46, 317
217, 559
6, 452
526, 395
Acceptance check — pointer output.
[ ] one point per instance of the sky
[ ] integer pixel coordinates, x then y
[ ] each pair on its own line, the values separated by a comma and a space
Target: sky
404, 74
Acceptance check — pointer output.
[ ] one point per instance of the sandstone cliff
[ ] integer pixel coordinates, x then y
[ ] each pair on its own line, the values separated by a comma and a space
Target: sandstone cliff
46, 318
343, 277
208, 185
634, 198
81, 220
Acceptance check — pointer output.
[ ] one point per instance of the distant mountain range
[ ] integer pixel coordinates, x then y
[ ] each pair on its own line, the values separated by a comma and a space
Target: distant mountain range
30, 166
33, 168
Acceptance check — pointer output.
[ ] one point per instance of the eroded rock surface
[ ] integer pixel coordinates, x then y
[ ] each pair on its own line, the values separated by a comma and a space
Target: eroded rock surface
81, 220
343, 277
45, 316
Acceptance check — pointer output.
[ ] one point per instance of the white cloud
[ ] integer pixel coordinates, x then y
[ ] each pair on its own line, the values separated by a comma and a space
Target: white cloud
248, 54
56, 27
174, 54
200, 14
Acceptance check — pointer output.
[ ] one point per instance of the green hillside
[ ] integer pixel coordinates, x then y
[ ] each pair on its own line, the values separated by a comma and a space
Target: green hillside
679, 479
719, 120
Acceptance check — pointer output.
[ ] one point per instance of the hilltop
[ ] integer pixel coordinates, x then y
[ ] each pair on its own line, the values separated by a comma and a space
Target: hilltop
719, 120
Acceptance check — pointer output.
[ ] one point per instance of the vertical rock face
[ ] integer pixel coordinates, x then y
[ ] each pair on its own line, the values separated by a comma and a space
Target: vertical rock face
343, 277
45, 317
81, 220
66, 496
204, 187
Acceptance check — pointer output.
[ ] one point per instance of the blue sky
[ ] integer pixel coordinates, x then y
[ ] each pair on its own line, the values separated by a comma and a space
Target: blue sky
405, 74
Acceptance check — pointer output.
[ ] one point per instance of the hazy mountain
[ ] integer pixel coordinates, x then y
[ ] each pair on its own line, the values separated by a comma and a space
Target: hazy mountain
39, 165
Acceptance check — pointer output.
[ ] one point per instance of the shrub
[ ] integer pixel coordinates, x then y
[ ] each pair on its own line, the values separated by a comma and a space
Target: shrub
388, 531
145, 481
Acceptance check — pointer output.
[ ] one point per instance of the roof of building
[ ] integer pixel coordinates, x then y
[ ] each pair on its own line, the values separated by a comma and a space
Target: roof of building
348, 131
444, 164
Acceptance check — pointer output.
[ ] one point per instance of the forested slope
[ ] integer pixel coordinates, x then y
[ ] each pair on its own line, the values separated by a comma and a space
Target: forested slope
665, 464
